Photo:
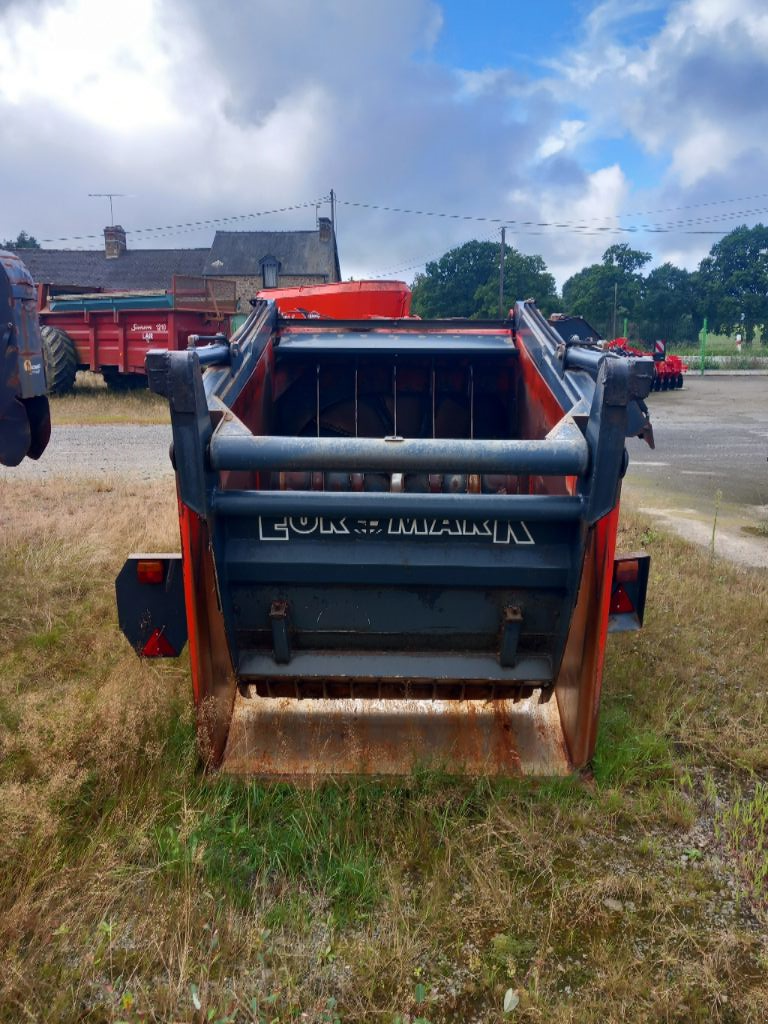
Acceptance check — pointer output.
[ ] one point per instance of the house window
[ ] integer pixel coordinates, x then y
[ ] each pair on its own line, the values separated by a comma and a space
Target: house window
269, 271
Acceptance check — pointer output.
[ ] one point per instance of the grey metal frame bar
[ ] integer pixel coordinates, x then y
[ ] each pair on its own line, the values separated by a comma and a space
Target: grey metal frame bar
516, 507
564, 456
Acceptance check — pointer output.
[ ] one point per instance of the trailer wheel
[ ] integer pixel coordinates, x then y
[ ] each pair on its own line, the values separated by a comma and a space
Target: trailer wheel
120, 382
679, 382
60, 358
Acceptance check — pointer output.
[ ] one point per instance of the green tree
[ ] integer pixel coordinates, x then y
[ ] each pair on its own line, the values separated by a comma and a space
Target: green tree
593, 291
525, 277
626, 259
22, 241
448, 285
734, 282
465, 282
669, 305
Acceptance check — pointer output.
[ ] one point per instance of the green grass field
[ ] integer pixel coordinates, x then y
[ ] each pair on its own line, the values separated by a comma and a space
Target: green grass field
135, 888
722, 345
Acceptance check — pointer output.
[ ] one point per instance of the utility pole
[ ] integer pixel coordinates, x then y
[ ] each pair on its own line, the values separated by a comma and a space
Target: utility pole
333, 212
615, 303
110, 196
501, 273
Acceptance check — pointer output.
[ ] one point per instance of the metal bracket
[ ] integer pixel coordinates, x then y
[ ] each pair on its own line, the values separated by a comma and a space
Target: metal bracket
511, 628
281, 644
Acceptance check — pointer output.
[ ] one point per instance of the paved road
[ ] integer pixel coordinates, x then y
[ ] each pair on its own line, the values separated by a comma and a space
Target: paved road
140, 452
711, 436
711, 460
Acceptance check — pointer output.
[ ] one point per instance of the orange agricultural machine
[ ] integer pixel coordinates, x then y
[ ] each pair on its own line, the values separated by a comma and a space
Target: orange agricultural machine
397, 539
352, 300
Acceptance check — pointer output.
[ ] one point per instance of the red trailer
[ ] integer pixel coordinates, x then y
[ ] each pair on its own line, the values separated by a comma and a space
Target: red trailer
111, 332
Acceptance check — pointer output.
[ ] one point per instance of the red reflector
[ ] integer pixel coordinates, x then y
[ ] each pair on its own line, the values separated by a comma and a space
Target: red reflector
620, 602
150, 571
627, 570
158, 647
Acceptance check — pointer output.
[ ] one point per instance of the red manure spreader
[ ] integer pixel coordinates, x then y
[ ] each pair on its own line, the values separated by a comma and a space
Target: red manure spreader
397, 539
111, 332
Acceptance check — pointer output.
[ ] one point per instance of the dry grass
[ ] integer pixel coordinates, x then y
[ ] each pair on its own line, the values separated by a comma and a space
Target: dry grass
91, 403
134, 889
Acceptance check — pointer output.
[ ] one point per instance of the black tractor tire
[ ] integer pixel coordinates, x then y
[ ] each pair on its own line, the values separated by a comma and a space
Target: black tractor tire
60, 356
121, 382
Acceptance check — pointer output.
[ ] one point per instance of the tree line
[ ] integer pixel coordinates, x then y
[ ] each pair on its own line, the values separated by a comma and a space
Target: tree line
729, 288
21, 241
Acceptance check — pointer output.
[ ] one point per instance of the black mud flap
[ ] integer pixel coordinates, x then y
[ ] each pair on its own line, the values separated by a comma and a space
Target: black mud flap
628, 590
150, 605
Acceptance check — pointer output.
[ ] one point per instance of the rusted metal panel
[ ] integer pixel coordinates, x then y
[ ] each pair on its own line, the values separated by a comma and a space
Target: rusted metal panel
308, 738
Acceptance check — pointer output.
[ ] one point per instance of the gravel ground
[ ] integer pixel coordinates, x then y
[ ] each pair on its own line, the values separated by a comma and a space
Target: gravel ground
126, 450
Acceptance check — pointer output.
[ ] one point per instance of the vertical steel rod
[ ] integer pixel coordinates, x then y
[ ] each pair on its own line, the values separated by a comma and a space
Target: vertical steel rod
317, 401
433, 398
356, 401
394, 397
501, 272
471, 401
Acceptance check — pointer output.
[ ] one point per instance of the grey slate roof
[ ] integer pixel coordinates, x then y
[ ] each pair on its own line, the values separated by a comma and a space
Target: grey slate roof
240, 254
134, 269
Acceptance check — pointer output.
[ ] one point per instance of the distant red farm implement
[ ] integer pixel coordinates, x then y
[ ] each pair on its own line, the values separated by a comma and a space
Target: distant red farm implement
111, 332
668, 369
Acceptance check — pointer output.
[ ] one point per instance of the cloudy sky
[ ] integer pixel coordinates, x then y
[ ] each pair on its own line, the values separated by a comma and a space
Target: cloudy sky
578, 123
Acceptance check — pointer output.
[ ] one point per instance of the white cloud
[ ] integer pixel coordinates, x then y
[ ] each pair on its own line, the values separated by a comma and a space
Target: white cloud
475, 83
104, 63
694, 92
563, 138
196, 115
201, 115
703, 151
578, 240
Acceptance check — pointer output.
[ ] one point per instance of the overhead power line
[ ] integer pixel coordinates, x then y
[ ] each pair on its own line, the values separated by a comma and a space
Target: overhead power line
587, 226
695, 206
192, 224
584, 226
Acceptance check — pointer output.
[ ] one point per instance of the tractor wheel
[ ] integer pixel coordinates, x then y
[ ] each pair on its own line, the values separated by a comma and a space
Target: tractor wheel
679, 381
120, 382
60, 358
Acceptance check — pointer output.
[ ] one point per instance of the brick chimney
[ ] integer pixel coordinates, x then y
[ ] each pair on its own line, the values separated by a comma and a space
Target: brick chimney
324, 224
114, 242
